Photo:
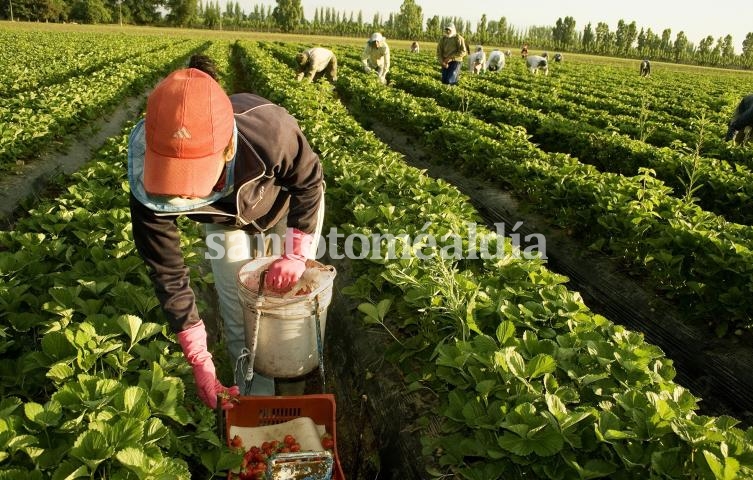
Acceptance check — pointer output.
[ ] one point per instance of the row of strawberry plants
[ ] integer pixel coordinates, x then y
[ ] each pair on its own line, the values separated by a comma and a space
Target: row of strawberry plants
718, 185
602, 106
30, 120
92, 382
40, 58
528, 381
676, 97
693, 256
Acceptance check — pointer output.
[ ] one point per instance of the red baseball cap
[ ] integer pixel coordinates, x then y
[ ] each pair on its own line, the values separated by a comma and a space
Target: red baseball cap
189, 123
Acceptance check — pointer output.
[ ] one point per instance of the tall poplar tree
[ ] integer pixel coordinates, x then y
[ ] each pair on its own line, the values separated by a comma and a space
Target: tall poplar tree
288, 14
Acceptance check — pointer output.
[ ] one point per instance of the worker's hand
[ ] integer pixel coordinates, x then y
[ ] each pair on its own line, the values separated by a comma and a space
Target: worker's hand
193, 341
367, 69
286, 270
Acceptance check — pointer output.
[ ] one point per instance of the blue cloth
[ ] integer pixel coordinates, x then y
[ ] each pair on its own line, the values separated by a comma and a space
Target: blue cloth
451, 73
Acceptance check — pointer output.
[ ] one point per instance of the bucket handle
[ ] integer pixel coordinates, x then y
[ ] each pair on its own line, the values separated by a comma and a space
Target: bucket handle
250, 354
319, 346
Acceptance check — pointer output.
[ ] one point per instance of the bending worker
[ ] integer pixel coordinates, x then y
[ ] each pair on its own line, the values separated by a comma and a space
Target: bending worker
240, 165
536, 63
376, 56
315, 62
495, 61
741, 123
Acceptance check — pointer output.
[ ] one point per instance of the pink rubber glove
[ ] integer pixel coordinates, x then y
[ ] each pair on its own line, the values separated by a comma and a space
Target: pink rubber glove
286, 270
193, 341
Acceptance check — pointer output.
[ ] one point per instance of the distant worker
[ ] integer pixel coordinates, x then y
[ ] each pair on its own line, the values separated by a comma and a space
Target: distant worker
558, 58
495, 61
524, 51
534, 63
376, 57
645, 68
451, 49
315, 63
508, 53
741, 125
477, 61
414, 48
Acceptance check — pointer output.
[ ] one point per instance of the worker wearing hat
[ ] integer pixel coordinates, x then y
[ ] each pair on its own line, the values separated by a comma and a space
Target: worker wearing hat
315, 62
376, 56
451, 49
477, 60
241, 166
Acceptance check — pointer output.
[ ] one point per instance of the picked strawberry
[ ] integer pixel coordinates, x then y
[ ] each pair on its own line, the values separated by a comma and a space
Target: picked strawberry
236, 444
229, 397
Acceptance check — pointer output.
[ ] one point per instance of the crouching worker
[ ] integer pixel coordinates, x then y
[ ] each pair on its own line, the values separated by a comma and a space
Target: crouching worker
740, 126
645, 68
316, 62
496, 61
536, 63
240, 165
376, 57
477, 60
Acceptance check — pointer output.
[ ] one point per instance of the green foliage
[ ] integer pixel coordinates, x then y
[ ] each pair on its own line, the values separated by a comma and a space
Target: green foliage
288, 14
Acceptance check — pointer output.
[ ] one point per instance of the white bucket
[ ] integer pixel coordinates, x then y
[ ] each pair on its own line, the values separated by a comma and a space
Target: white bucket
281, 332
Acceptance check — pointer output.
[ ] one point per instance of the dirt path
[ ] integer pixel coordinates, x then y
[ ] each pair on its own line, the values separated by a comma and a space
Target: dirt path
718, 371
34, 177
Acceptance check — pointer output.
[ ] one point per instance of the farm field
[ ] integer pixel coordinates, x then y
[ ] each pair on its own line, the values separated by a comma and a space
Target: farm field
510, 373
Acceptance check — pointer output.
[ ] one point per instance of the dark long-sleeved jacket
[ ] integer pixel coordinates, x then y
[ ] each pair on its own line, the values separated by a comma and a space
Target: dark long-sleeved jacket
743, 116
275, 172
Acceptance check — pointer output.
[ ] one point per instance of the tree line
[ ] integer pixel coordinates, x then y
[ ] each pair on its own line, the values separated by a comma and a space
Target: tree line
626, 40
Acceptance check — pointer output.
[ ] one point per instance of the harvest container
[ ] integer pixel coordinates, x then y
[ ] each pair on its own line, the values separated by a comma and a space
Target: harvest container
260, 411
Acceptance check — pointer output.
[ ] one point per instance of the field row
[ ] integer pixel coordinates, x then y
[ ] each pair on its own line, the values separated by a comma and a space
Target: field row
525, 379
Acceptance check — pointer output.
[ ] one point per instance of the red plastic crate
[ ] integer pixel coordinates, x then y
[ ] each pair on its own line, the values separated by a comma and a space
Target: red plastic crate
253, 411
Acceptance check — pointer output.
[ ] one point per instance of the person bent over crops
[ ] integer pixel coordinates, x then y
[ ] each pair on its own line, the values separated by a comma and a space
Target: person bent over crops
316, 62
240, 165
495, 61
740, 125
645, 68
536, 63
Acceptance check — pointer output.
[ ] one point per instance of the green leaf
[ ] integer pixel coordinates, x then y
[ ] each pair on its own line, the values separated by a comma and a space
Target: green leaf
60, 372
69, 470
154, 431
46, 416
134, 401
370, 310
510, 361
218, 460
539, 365
383, 307
723, 469
58, 346
91, 448
505, 331
135, 460
136, 329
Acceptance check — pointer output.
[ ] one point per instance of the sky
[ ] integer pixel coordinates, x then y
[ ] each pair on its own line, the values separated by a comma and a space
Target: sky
696, 19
